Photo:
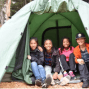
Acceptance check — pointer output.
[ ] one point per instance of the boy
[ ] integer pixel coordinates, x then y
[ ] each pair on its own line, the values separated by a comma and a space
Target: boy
81, 53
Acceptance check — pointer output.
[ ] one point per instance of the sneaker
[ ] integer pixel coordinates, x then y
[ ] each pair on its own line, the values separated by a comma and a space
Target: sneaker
52, 80
47, 82
72, 75
52, 83
57, 81
85, 84
66, 74
38, 82
65, 80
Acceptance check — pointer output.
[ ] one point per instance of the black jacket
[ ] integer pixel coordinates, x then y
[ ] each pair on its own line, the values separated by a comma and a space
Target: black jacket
55, 64
37, 56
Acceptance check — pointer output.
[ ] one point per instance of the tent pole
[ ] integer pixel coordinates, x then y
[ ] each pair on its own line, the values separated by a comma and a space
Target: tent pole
57, 32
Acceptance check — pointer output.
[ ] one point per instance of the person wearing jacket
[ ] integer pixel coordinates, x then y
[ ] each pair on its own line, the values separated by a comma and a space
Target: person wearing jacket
52, 64
37, 58
81, 53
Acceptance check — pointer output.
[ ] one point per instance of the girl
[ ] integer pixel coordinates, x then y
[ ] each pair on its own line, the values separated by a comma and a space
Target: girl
51, 63
37, 59
67, 57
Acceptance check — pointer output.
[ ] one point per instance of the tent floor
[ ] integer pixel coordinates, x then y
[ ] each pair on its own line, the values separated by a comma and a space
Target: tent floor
7, 78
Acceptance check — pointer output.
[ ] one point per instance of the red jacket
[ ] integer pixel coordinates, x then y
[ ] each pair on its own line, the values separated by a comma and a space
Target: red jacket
77, 52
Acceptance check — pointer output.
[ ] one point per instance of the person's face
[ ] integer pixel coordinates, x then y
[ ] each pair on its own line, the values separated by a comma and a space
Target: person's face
66, 43
48, 45
33, 44
80, 41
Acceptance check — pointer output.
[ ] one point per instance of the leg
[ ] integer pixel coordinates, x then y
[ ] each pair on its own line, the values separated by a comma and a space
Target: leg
84, 73
48, 70
35, 70
48, 79
64, 63
42, 72
72, 66
72, 62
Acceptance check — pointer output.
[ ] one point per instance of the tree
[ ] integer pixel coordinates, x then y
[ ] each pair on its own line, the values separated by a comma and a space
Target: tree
2, 11
17, 5
8, 4
9, 8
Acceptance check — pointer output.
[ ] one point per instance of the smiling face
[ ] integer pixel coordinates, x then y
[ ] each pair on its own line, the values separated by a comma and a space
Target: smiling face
81, 41
33, 44
48, 45
66, 43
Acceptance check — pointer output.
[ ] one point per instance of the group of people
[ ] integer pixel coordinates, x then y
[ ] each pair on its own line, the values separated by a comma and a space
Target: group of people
47, 61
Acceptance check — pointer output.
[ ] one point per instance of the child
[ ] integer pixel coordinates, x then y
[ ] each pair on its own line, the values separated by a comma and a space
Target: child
81, 53
37, 59
51, 63
67, 57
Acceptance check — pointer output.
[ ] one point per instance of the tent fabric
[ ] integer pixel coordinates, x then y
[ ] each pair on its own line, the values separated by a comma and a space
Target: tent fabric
10, 32
24, 71
20, 52
83, 10
48, 20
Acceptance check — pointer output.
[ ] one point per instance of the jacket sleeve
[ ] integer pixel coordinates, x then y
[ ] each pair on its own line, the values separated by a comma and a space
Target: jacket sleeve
57, 67
34, 59
76, 55
41, 58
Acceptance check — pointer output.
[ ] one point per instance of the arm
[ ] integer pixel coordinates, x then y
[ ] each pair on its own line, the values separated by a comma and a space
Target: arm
56, 58
32, 58
40, 48
76, 55
78, 58
57, 67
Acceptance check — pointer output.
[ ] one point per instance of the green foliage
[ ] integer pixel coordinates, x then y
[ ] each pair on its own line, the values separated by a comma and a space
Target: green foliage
17, 5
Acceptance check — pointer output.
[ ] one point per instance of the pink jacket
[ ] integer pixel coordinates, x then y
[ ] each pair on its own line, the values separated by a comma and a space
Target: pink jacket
66, 52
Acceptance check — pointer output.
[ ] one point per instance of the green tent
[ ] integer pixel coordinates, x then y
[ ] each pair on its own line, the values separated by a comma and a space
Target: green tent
43, 19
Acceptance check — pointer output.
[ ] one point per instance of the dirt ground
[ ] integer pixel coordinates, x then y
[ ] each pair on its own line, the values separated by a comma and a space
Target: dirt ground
24, 85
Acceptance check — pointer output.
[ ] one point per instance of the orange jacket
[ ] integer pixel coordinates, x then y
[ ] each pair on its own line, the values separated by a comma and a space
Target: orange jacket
77, 52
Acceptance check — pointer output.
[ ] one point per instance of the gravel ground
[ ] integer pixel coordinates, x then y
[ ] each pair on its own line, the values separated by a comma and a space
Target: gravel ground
24, 85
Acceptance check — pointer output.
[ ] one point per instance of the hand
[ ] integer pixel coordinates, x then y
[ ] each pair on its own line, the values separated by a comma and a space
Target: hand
29, 57
55, 75
40, 48
81, 61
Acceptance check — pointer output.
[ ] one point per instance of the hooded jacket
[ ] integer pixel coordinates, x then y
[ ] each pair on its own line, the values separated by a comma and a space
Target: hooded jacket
37, 56
55, 64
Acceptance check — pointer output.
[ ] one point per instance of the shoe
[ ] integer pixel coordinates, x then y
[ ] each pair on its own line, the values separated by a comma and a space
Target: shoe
47, 82
66, 74
52, 83
65, 80
57, 81
85, 84
73, 77
52, 80
38, 82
